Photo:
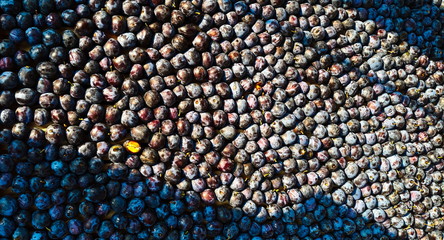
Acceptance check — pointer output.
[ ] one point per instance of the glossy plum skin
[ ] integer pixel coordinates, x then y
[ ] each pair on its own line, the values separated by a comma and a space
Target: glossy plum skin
220, 119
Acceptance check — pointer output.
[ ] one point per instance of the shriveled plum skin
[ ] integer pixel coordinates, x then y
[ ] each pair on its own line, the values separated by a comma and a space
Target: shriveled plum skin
220, 119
